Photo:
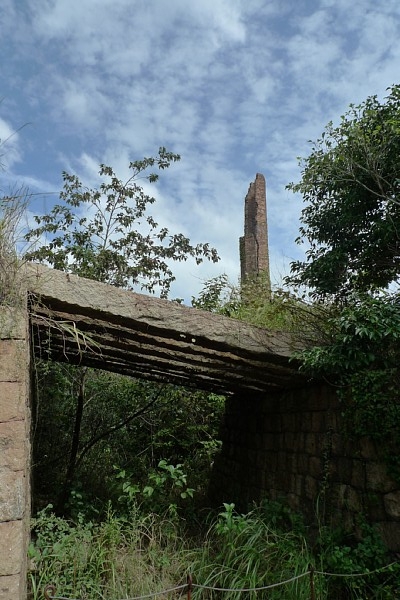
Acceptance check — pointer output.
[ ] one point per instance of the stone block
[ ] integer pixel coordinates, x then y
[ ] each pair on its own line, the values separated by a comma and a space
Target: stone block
377, 478
339, 495
270, 441
298, 420
281, 480
12, 547
337, 444
291, 462
293, 501
358, 474
374, 507
344, 469
288, 422
315, 466
302, 464
333, 421
392, 504
330, 468
270, 482
347, 522
299, 441
13, 445
13, 360
353, 500
367, 448
289, 440
275, 423
311, 444
310, 487
10, 588
390, 532
13, 323
13, 491
13, 403
288, 403
252, 424
320, 397
257, 441
298, 482
251, 456
317, 422
272, 463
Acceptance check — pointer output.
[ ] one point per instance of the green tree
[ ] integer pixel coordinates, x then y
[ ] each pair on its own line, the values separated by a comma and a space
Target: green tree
361, 358
351, 186
106, 234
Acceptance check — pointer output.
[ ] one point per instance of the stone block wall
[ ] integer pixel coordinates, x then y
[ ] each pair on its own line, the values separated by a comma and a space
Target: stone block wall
290, 446
14, 453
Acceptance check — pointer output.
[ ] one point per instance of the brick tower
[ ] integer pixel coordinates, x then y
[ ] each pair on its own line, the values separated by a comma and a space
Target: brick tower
254, 255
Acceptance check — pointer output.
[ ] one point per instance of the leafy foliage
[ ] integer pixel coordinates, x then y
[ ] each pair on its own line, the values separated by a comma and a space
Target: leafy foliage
254, 302
216, 296
131, 423
113, 559
361, 357
106, 234
166, 487
343, 555
363, 334
351, 185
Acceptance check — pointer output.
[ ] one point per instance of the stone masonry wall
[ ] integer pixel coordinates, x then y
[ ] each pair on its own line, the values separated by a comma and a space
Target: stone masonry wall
14, 454
289, 446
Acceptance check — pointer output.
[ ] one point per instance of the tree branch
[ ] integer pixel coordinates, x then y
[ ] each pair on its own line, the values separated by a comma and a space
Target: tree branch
117, 426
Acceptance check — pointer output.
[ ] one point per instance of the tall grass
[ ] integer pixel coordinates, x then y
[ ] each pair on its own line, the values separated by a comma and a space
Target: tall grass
121, 558
137, 555
246, 551
13, 210
118, 558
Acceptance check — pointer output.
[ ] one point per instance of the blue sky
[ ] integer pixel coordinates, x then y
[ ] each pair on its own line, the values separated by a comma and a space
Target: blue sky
234, 86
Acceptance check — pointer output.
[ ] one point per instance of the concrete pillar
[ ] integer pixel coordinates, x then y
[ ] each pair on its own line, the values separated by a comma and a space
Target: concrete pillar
14, 452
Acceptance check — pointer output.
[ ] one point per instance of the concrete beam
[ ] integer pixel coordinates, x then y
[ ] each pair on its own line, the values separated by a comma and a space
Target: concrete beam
93, 324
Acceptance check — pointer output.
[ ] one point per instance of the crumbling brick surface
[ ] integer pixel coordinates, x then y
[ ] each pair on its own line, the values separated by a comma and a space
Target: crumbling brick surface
254, 254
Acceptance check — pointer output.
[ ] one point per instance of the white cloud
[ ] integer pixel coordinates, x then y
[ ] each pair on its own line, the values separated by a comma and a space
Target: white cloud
235, 86
9, 145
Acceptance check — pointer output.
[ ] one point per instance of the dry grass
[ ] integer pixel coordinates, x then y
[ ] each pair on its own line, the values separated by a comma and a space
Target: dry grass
12, 213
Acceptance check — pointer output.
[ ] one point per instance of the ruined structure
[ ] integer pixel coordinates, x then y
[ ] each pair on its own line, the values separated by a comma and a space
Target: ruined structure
84, 322
282, 434
254, 255
290, 446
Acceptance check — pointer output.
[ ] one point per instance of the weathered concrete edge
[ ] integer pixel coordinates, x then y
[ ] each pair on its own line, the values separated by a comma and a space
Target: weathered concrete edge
90, 295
